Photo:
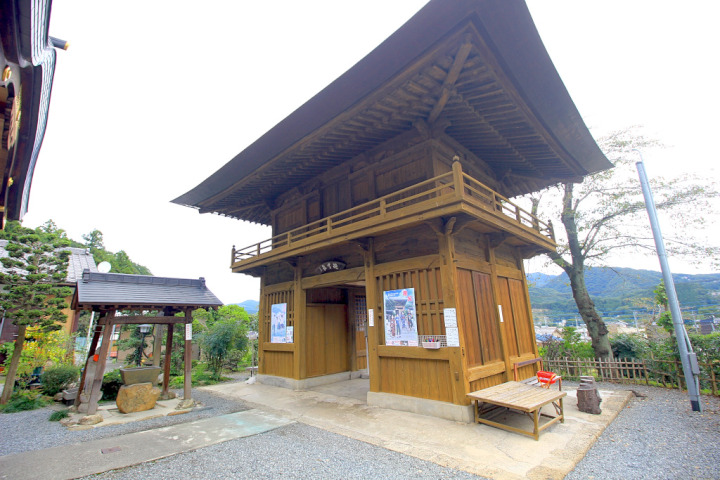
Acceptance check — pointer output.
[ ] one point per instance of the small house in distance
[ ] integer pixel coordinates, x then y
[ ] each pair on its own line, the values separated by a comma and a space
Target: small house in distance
396, 250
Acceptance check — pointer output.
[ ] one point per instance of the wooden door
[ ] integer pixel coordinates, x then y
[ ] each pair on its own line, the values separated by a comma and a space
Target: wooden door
327, 344
359, 324
476, 311
517, 325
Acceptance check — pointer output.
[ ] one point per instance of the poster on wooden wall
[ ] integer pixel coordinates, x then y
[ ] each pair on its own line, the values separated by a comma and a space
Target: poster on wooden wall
400, 317
278, 323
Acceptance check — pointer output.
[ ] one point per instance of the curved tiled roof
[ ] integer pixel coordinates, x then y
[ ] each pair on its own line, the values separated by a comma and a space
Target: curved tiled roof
477, 68
126, 291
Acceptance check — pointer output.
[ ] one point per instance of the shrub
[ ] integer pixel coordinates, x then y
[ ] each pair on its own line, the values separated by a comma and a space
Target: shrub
56, 379
111, 385
626, 345
200, 376
25, 400
58, 415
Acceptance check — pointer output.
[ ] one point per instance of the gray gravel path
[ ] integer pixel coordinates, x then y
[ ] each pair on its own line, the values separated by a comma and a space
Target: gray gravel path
31, 430
656, 437
297, 451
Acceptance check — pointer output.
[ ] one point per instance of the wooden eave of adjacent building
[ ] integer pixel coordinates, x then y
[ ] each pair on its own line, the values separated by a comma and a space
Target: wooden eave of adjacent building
105, 292
27, 50
474, 70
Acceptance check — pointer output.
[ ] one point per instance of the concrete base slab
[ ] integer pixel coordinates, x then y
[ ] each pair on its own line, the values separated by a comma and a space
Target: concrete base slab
422, 406
478, 449
112, 416
73, 461
306, 383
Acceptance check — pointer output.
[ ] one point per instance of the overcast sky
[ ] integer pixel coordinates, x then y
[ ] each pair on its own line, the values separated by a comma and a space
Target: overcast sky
153, 97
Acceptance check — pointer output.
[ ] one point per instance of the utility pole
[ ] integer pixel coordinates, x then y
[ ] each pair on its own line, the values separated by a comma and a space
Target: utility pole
691, 369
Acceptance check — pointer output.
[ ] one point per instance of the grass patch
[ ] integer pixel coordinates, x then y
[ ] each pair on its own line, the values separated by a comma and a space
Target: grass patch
25, 400
58, 415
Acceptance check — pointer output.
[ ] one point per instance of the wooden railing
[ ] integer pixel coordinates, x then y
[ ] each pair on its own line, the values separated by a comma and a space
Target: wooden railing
445, 189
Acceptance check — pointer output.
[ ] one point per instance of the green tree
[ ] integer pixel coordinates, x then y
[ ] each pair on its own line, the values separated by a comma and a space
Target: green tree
35, 267
223, 335
120, 262
665, 318
136, 344
606, 213
94, 240
220, 340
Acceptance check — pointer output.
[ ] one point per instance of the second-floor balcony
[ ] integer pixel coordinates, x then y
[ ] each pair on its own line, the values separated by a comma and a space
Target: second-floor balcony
450, 194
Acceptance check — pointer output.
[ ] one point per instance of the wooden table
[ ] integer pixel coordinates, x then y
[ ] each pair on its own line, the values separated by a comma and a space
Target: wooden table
527, 399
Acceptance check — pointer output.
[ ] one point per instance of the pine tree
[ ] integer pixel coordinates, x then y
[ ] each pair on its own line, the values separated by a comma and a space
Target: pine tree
32, 294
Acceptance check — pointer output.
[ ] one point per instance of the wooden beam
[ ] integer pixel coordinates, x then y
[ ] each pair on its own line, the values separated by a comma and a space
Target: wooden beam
452, 76
140, 320
96, 388
91, 352
334, 278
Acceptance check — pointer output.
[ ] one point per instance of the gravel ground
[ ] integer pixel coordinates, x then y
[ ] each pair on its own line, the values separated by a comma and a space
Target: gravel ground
656, 437
31, 430
296, 451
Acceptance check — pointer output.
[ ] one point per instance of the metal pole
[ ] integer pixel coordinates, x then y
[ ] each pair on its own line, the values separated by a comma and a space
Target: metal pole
687, 357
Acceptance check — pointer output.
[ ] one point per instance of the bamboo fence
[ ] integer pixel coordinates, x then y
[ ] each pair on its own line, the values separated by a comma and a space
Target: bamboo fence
650, 371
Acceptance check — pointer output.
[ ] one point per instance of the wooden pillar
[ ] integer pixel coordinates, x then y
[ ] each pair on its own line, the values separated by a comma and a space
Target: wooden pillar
91, 352
374, 329
168, 357
96, 388
446, 243
299, 326
263, 334
187, 394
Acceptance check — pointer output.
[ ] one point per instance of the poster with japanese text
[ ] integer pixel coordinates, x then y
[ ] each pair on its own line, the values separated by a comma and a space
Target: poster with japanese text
400, 317
278, 323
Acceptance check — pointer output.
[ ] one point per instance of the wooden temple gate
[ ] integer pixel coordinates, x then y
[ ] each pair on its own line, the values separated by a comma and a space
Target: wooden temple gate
397, 178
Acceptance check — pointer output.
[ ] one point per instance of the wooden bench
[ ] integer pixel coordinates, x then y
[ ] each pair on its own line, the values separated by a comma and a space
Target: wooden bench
542, 379
518, 396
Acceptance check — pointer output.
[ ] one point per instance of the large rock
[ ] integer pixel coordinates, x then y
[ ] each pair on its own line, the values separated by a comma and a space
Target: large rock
91, 420
137, 398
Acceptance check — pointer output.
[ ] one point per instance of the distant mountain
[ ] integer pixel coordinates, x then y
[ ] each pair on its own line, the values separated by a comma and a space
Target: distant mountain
250, 306
618, 291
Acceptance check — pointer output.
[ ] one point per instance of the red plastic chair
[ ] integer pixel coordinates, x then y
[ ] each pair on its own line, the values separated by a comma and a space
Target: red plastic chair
548, 378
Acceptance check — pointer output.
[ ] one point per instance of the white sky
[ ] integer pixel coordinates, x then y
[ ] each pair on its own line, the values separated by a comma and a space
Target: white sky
153, 97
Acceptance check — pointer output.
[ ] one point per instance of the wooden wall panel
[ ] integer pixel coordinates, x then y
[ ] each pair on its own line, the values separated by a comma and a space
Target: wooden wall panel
428, 298
327, 295
487, 382
284, 296
416, 378
411, 243
277, 363
506, 256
